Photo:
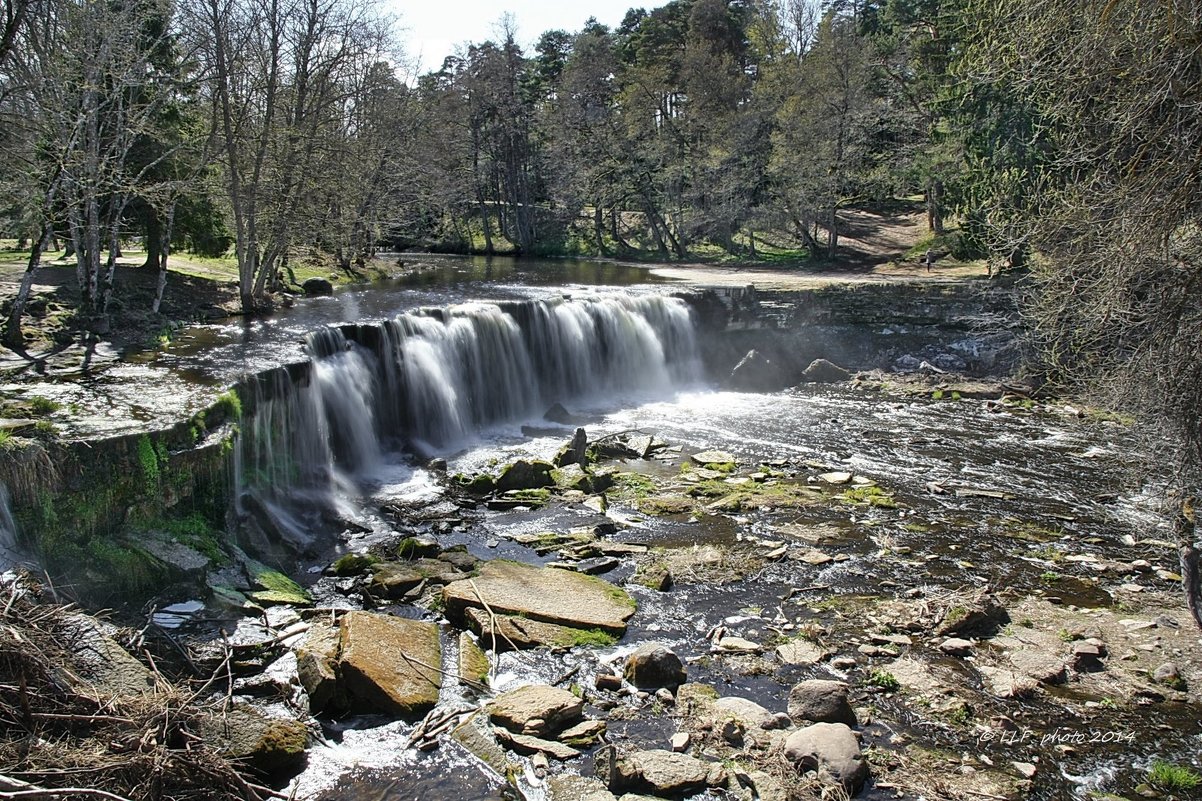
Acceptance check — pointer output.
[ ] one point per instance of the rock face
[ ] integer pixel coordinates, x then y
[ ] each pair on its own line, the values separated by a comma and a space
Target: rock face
829, 747
821, 371
548, 595
755, 372
390, 664
536, 709
317, 667
654, 665
314, 287
821, 701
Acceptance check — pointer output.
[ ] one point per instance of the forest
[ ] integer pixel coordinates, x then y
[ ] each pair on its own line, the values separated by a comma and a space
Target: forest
264, 128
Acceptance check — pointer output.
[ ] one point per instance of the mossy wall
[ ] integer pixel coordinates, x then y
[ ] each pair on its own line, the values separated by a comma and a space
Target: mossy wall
82, 507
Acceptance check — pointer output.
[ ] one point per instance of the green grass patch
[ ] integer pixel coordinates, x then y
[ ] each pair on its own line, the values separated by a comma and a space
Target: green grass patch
588, 638
870, 495
884, 680
1172, 778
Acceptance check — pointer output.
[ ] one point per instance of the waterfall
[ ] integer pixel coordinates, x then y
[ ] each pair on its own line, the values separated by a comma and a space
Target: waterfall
429, 380
10, 552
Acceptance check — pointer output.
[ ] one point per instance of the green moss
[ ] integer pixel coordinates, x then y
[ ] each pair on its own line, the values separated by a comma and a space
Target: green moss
1173, 778
721, 467
229, 404
870, 495
634, 486
481, 484
588, 638
40, 405
277, 588
353, 564
666, 505
148, 461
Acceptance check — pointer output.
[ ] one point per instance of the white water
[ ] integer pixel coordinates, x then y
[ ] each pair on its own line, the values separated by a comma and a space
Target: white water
432, 381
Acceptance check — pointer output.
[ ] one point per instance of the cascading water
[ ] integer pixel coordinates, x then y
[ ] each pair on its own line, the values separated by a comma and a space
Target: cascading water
431, 380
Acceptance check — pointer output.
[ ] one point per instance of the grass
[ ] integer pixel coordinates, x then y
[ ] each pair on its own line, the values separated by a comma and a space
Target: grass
1172, 778
884, 680
588, 638
869, 496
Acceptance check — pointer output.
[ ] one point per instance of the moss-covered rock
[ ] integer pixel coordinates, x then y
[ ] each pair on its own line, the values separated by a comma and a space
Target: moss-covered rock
352, 564
526, 475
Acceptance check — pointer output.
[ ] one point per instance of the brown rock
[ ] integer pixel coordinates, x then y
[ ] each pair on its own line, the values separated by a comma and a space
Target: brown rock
390, 664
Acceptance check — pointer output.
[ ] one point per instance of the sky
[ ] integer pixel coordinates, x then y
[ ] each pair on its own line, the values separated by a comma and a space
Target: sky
432, 28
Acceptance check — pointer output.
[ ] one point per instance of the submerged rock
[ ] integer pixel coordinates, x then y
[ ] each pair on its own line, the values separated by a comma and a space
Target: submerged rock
755, 372
390, 664
654, 665
548, 595
831, 748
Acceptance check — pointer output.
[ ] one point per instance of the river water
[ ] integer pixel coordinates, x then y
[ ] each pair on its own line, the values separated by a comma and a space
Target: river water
460, 360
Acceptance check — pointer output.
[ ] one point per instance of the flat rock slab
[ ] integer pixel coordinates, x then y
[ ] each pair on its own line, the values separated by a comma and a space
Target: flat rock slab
801, 652
535, 709
713, 457
390, 664
526, 744
663, 773
508, 632
543, 594
568, 787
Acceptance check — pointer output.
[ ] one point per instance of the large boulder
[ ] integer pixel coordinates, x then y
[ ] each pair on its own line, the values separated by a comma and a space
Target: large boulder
831, 748
821, 701
545, 594
654, 665
755, 372
536, 709
97, 667
314, 287
317, 667
526, 475
390, 664
822, 371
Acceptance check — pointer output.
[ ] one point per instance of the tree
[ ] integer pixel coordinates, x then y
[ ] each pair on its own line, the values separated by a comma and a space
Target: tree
1107, 185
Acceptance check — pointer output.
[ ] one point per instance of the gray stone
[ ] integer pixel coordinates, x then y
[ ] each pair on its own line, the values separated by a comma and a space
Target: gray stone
680, 742
654, 665
542, 594
822, 371
569, 787
982, 616
831, 748
98, 667
271, 746
747, 712
1087, 657
583, 734
1043, 668
801, 652
821, 701
1008, 683
662, 773
391, 580
1169, 676
536, 709
713, 457
955, 646
528, 744
317, 666
390, 664
755, 372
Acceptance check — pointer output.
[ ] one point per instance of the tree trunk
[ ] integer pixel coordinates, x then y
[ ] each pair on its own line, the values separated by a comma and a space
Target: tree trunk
154, 242
161, 257
599, 229
12, 328
1191, 572
832, 233
934, 206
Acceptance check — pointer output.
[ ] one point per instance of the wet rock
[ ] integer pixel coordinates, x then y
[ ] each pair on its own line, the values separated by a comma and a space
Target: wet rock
352, 564
662, 773
572, 477
473, 662
1025, 769
713, 457
389, 664
654, 576
569, 787
955, 646
1168, 675
316, 287
187, 561
608, 682
801, 652
838, 477
738, 645
982, 616
541, 594
509, 632
755, 372
528, 744
317, 667
596, 503
412, 548
747, 712
558, 414
459, 558
475, 735
583, 734
536, 709
392, 580
822, 371
821, 701
525, 475
575, 452
831, 748
654, 665
274, 747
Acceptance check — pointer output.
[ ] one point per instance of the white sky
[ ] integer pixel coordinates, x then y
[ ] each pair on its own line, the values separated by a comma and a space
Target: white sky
432, 28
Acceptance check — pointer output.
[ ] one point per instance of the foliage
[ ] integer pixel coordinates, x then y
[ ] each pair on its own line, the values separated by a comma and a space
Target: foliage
1173, 778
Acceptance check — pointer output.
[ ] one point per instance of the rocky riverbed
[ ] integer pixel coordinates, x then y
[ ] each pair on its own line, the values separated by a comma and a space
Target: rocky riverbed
623, 613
